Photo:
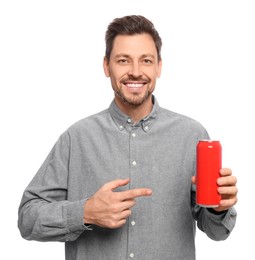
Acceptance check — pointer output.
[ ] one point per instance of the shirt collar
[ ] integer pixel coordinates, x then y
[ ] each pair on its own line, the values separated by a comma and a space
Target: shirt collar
121, 119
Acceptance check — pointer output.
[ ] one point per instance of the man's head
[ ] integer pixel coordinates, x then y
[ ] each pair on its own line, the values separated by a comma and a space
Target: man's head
132, 60
130, 25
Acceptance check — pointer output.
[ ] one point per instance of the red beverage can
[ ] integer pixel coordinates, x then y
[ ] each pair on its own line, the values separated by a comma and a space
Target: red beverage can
209, 160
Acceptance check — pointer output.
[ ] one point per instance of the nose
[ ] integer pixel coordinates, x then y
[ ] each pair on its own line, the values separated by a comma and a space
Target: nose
135, 70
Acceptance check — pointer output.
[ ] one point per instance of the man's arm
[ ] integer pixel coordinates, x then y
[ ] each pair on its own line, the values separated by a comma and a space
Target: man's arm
44, 212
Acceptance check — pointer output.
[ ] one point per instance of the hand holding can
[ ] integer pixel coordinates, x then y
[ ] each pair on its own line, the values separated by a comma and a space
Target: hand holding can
209, 161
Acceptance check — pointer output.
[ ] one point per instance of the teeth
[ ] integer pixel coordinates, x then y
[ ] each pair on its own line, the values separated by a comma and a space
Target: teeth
134, 85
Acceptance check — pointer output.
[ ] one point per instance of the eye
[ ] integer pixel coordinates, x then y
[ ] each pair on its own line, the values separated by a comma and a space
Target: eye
122, 61
147, 61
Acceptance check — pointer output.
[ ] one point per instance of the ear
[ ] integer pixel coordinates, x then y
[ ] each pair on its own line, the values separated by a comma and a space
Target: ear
159, 68
106, 67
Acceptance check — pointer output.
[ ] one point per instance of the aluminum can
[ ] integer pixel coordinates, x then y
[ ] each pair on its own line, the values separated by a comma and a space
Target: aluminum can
209, 160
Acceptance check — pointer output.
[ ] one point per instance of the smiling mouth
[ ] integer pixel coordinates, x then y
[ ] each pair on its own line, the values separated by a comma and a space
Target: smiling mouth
134, 85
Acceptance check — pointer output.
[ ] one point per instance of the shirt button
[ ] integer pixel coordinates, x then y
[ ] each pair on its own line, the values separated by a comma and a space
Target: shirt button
121, 127
132, 222
134, 163
133, 134
129, 120
131, 255
146, 128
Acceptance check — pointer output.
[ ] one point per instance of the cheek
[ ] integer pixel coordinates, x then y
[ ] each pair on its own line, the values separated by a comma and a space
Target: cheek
158, 72
152, 72
114, 82
118, 76
154, 76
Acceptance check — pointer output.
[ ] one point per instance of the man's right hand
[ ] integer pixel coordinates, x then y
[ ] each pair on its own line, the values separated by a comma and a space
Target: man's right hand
108, 208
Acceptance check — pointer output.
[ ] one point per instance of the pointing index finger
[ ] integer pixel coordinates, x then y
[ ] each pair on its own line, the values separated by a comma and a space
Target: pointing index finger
134, 193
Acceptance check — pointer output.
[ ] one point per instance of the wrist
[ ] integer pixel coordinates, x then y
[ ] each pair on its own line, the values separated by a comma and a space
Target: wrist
87, 220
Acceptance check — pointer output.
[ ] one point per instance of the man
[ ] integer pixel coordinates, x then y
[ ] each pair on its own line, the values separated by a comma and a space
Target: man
120, 184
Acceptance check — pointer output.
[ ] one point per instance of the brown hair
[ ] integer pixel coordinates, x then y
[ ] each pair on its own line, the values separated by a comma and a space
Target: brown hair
130, 25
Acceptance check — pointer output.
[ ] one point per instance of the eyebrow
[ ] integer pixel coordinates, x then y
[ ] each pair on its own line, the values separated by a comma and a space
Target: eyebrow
128, 56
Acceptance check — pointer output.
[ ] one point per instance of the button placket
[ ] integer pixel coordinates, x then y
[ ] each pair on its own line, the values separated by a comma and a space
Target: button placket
132, 156
135, 132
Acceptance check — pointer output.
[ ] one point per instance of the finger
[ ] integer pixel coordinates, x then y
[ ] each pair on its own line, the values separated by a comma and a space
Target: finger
225, 172
112, 185
193, 179
115, 224
134, 193
228, 190
119, 220
127, 204
125, 214
120, 223
227, 181
228, 203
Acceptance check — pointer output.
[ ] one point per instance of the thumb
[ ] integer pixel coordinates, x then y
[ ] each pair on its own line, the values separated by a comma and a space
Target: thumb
193, 179
112, 185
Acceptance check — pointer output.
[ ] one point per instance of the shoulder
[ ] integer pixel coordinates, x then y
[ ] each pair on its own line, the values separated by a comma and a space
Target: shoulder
182, 123
175, 117
88, 123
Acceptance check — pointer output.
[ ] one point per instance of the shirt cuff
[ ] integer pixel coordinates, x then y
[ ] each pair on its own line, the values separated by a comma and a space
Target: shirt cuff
217, 212
74, 217
230, 219
226, 218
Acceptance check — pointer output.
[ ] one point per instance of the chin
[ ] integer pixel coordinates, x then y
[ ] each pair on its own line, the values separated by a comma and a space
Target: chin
136, 100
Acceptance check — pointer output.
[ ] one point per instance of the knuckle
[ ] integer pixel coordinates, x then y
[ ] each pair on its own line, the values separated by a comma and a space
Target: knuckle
234, 190
228, 171
129, 212
114, 208
112, 224
122, 222
104, 187
114, 218
133, 193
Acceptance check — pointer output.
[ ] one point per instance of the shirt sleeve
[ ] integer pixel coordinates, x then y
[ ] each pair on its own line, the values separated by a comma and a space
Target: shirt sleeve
44, 213
216, 226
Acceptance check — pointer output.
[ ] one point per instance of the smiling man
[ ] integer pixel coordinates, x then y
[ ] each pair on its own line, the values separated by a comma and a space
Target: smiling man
133, 66
121, 184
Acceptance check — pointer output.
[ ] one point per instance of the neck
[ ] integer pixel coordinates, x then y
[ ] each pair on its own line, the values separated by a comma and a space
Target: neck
135, 112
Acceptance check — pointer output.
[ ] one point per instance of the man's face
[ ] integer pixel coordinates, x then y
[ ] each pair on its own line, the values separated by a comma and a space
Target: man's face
133, 68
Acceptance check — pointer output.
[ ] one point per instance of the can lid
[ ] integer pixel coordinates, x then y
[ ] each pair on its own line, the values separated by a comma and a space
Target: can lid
208, 140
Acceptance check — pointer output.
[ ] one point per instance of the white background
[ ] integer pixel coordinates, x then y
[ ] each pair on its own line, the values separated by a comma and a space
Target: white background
51, 75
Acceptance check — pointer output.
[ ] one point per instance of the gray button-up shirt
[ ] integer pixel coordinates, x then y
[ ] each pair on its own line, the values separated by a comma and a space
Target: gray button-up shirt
159, 153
